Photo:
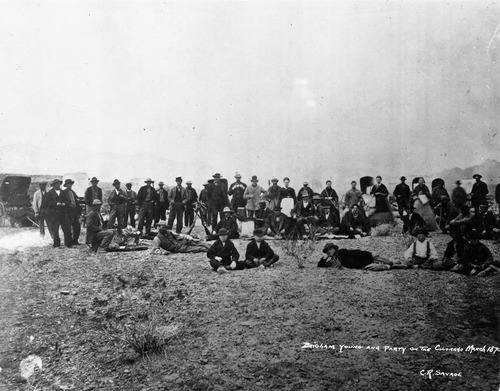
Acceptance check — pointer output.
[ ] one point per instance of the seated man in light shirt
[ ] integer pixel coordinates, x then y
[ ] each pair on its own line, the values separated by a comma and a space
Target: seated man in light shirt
421, 253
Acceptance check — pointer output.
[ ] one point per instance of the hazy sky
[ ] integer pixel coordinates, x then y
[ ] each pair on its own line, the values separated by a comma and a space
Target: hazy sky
256, 86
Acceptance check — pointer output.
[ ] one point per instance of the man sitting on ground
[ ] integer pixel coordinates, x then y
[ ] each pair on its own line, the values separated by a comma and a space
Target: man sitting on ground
329, 222
355, 223
412, 221
223, 255
259, 252
477, 258
422, 253
166, 240
228, 222
484, 221
277, 223
353, 259
303, 212
261, 214
454, 253
97, 237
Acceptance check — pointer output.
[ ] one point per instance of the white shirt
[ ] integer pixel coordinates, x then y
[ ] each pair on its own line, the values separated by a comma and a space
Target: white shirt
421, 250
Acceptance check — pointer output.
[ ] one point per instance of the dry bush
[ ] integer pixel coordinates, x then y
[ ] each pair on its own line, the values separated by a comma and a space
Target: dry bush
382, 230
299, 250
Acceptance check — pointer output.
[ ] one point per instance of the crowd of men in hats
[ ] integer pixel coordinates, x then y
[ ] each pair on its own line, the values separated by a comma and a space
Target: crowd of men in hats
309, 213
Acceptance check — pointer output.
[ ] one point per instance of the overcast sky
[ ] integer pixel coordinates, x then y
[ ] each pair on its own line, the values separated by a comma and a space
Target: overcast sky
268, 87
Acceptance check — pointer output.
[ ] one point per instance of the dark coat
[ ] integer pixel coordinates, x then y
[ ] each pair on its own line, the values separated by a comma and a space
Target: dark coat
415, 221
479, 192
273, 193
351, 259
300, 210
421, 189
117, 199
479, 255
230, 224
484, 222
497, 194
88, 195
288, 192
217, 194
78, 207
173, 192
265, 251
348, 221
309, 191
192, 196
94, 225
227, 252
331, 221
53, 199
402, 192
330, 193
277, 221
459, 196
456, 247
141, 195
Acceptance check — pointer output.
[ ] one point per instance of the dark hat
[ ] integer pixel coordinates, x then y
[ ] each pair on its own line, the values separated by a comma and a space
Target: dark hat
478, 176
223, 231
262, 202
277, 208
329, 246
402, 178
474, 235
316, 197
160, 183
445, 197
43, 183
304, 194
458, 182
116, 182
286, 179
55, 181
258, 232
68, 182
94, 179
128, 184
178, 179
419, 231
254, 178
328, 181
216, 175
274, 179
484, 203
149, 180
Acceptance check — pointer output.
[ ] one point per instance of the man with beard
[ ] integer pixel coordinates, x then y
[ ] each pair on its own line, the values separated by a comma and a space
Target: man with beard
177, 198
74, 211
328, 222
402, 193
236, 190
57, 210
146, 200
40, 207
217, 193
192, 198
92, 193
354, 223
479, 192
162, 203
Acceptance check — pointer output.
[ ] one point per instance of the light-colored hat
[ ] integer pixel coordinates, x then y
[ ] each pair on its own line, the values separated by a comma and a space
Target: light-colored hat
304, 194
237, 175
305, 183
189, 183
97, 202
227, 210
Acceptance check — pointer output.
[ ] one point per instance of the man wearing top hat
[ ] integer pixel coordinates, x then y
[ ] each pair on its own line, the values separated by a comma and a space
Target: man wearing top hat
217, 193
74, 211
305, 189
402, 193
146, 200
162, 203
192, 198
253, 195
97, 237
479, 192
131, 204
228, 222
57, 201
177, 197
117, 200
40, 207
236, 190
92, 193
273, 194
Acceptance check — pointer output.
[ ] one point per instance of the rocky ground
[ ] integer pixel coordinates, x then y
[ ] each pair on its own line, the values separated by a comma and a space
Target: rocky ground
82, 314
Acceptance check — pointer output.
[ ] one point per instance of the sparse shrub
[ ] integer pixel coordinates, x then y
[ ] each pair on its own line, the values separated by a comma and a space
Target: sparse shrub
382, 230
299, 250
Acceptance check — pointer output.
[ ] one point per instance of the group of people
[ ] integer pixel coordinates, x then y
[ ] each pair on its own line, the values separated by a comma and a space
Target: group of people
308, 213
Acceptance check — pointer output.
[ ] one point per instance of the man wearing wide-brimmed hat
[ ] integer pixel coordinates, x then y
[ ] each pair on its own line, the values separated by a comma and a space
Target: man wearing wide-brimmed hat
96, 236
402, 193
162, 203
191, 199
305, 189
223, 254
479, 192
236, 190
303, 213
273, 193
117, 201
74, 211
177, 197
146, 200
227, 222
92, 193
40, 207
277, 223
57, 210
166, 240
217, 193
131, 204
253, 195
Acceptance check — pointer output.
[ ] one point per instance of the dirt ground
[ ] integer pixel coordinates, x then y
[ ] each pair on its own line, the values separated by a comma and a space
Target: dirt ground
242, 330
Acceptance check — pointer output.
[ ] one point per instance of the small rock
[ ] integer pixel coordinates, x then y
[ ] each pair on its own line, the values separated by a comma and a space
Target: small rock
64, 292
126, 371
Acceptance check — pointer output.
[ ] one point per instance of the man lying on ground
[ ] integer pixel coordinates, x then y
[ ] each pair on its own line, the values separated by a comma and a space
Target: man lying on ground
223, 255
421, 253
477, 259
353, 259
166, 240
259, 252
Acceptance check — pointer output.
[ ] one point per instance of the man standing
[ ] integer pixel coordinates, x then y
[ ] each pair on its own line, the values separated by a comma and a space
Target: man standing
74, 211
217, 193
353, 196
57, 202
273, 194
438, 192
97, 237
207, 213
479, 192
131, 204
305, 189
192, 197
177, 198
380, 192
253, 195
40, 207
236, 190
117, 201
162, 203
458, 196
146, 199
402, 193
92, 193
